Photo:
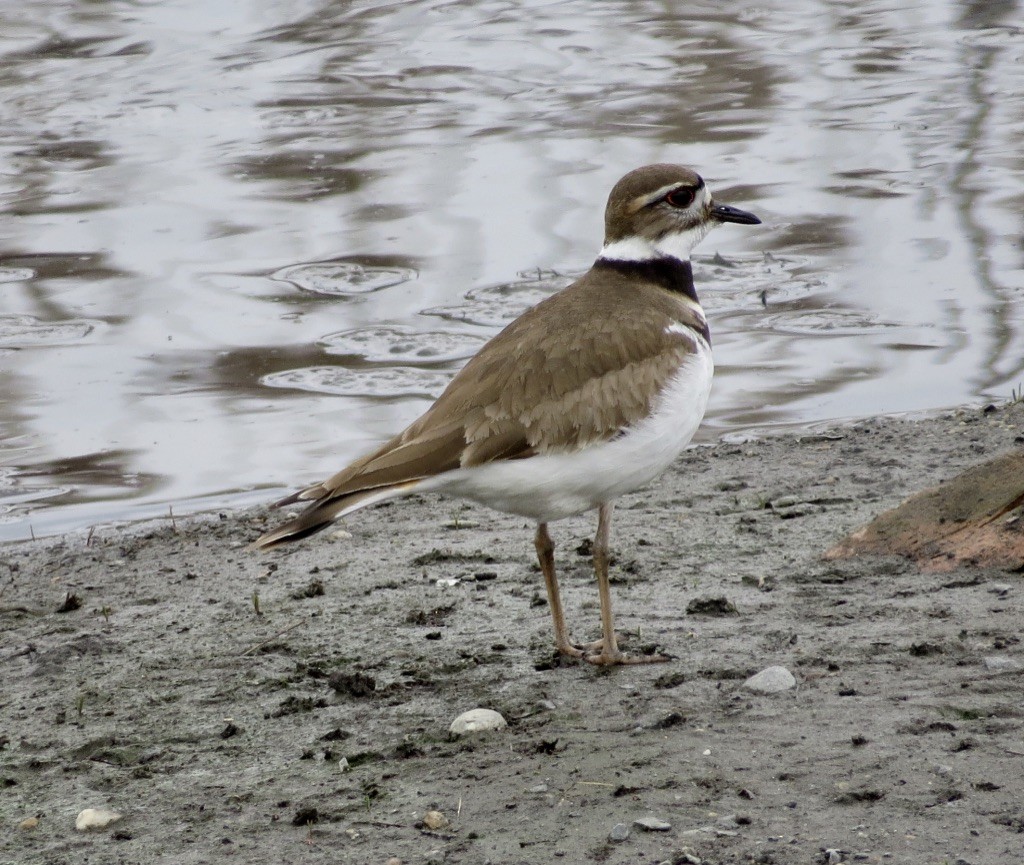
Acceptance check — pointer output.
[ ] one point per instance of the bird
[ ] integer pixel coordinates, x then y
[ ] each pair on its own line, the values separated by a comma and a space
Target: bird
585, 397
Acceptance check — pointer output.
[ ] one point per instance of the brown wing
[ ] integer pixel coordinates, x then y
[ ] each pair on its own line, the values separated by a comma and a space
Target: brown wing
577, 368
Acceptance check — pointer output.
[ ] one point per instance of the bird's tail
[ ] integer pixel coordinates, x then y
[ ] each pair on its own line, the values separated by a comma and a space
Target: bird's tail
320, 514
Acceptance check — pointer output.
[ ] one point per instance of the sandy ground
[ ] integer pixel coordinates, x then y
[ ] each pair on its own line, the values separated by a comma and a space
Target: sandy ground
210, 695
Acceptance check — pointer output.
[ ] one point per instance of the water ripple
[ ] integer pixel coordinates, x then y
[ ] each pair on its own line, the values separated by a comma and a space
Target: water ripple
344, 277
26, 331
389, 383
401, 345
496, 305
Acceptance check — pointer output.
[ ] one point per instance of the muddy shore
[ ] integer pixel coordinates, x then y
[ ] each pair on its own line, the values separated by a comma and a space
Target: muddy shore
294, 707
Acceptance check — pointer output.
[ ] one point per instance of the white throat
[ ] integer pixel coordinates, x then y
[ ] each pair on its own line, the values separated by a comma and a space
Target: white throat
677, 245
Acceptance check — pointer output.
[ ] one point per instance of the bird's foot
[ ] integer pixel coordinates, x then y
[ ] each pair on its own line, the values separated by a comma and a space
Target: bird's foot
568, 650
599, 654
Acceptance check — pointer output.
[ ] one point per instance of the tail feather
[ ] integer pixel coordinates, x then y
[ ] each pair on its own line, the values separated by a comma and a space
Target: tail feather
320, 514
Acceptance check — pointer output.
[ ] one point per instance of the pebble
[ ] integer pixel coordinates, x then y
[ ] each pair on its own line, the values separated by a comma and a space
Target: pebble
456, 525
435, 820
620, 832
771, 680
996, 662
539, 788
95, 818
652, 824
29, 823
477, 721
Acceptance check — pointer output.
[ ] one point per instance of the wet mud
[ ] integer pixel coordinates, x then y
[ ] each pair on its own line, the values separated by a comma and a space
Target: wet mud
295, 707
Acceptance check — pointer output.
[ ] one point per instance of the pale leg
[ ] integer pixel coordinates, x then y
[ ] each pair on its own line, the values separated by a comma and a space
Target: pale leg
546, 557
609, 646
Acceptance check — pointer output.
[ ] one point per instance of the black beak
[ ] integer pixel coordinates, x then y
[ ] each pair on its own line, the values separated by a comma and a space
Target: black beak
725, 213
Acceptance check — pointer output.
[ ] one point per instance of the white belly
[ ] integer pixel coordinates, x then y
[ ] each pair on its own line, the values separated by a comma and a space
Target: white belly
555, 486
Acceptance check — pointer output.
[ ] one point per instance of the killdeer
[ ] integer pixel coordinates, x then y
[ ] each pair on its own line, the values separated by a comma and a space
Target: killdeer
587, 396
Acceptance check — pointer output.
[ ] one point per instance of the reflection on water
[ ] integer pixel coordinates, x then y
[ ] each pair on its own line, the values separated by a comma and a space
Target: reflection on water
243, 242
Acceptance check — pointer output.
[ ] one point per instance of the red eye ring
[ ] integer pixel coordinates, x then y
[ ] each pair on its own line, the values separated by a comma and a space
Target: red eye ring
681, 198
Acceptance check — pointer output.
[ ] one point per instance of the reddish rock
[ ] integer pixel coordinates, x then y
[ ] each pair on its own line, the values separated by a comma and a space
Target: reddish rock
975, 519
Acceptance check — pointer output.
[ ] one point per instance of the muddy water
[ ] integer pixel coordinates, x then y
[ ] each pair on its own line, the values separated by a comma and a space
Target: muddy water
242, 242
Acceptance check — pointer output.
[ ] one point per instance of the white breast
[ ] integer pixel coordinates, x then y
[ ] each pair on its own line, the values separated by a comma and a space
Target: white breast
555, 486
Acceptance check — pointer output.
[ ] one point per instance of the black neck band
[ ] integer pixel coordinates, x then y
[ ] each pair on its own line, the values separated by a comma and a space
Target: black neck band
670, 273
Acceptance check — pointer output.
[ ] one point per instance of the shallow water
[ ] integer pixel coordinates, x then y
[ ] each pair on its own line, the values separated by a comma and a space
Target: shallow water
241, 243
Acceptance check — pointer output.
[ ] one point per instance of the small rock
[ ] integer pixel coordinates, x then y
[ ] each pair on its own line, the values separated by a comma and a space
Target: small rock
672, 719
354, 684
394, 860
29, 823
652, 824
539, 788
545, 706
306, 817
457, 525
620, 832
95, 818
71, 603
771, 680
1000, 664
477, 721
434, 820
712, 606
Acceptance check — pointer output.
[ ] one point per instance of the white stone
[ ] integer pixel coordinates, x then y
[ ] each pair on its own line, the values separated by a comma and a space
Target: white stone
435, 820
95, 818
477, 721
620, 832
999, 664
652, 824
771, 680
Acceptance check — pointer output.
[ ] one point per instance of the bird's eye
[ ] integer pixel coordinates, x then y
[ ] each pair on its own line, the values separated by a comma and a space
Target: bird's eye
682, 197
